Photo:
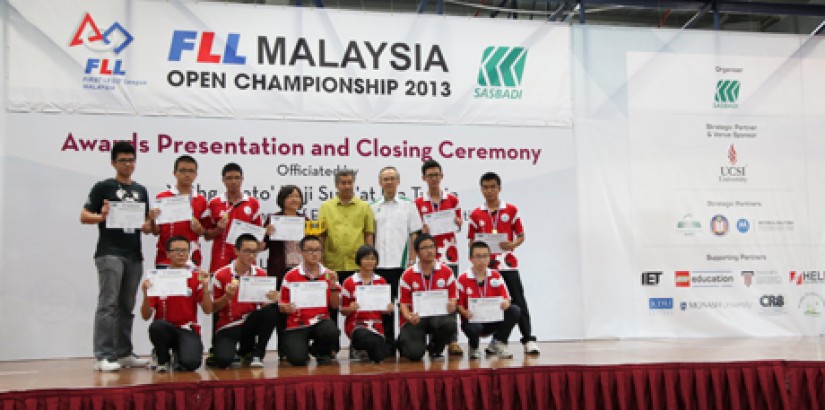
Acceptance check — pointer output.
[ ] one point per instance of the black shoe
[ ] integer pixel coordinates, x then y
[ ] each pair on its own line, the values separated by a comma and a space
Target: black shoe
324, 359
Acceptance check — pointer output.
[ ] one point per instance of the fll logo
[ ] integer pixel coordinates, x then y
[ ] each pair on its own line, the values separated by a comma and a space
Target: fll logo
727, 94
114, 40
501, 72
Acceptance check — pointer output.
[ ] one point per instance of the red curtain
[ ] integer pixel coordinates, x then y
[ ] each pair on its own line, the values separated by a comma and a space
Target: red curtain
700, 386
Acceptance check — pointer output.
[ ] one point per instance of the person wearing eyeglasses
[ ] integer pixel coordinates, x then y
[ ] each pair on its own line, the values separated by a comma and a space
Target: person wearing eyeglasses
308, 293
244, 328
175, 325
119, 262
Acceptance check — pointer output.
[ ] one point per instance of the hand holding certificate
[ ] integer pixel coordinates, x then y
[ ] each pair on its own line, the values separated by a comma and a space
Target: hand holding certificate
371, 298
308, 294
254, 289
493, 240
485, 310
126, 215
287, 228
239, 227
168, 282
441, 222
173, 209
430, 303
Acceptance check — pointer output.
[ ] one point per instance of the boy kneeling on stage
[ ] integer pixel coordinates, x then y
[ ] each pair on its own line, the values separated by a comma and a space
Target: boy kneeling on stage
484, 284
247, 325
365, 328
175, 326
423, 281
308, 292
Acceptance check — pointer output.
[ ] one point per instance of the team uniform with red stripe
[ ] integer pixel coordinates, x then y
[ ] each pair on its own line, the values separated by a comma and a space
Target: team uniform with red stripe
446, 244
247, 210
304, 316
504, 220
371, 320
181, 311
413, 280
234, 312
468, 287
181, 228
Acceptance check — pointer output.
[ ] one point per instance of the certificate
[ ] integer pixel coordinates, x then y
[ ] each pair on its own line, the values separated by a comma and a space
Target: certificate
240, 227
430, 303
168, 282
287, 228
308, 294
253, 289
493, 240
485, 310
173, 209
370, 298
126, 215
441, 222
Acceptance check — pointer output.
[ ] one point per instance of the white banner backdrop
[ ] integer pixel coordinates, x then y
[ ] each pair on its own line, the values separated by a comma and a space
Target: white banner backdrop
217, 60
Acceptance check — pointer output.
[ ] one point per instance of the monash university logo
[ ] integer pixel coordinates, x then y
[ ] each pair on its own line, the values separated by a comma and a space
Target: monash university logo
501, 72
727, 94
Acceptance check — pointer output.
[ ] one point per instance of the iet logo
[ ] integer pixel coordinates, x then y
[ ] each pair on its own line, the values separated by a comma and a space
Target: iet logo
186, 40
114, 40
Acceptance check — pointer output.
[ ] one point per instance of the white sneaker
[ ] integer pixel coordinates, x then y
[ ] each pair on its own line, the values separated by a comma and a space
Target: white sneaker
132, 361
498, 349
105, 365
256, 362
162, 368
532, 347
475, 354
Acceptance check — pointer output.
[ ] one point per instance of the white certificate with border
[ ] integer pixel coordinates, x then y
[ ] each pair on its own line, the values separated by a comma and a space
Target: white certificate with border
441, 222
126, 215
485, 310
430, 302
173, 209
308, 294
287, 228
253, 289
371, 298
168, 282
239, 227
493, 240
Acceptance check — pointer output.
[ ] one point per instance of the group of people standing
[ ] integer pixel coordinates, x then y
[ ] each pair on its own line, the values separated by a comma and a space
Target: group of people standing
358, 244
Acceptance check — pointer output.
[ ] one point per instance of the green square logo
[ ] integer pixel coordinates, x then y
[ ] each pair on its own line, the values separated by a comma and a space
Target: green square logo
727, 92
502, 66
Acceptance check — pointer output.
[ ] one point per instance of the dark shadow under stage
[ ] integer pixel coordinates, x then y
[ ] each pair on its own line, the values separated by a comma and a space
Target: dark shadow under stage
767, 373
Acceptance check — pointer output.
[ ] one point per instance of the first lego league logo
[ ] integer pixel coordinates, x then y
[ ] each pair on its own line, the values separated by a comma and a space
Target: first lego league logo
104, 68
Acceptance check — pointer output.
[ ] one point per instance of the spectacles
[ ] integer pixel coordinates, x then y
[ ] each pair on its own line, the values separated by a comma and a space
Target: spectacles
125, 160
313, 250
432, 176
427, 247
181, 250
249, 251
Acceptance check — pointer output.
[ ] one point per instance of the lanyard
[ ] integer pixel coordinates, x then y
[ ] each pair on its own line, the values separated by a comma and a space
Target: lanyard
483, 287
425, 284
495, 222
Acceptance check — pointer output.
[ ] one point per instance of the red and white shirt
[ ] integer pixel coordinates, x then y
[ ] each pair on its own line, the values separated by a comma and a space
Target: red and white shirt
505, 220
371, 320
413, 280
182, 228
469, 287
181, 311
234, 312
446, 244
247, 210
304, 317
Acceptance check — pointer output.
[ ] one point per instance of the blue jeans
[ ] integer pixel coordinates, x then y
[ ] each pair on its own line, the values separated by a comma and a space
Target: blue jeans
118, 280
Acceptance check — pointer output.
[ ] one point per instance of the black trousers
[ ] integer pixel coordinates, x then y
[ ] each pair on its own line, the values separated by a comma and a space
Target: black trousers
324, 336
516, 289
392, 276
251, 336
185, 343
412, 339
500, 330
374, 344
333, 313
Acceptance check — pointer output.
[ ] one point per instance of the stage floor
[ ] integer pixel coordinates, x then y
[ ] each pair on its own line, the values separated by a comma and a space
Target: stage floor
78, 373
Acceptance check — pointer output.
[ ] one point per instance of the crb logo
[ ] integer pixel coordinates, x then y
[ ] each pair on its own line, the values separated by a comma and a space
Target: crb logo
772, 301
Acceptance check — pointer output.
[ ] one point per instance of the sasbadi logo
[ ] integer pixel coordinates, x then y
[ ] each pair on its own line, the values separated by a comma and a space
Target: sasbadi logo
727, 94
501, 72
688, 226
719, 225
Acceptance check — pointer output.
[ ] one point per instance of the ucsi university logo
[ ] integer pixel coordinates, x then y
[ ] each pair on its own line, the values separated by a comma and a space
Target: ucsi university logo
106, 45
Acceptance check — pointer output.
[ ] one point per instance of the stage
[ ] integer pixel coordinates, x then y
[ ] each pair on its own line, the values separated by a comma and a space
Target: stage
772, 373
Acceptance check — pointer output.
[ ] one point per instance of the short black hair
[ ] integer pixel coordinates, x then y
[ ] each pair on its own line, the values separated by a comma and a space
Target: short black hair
231, 167
363, 251
176, 238
185, 158
478, 245
245, 237
309, 238
344, 172
421, 238
430, 163
122, 147
490, 176
286, 191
